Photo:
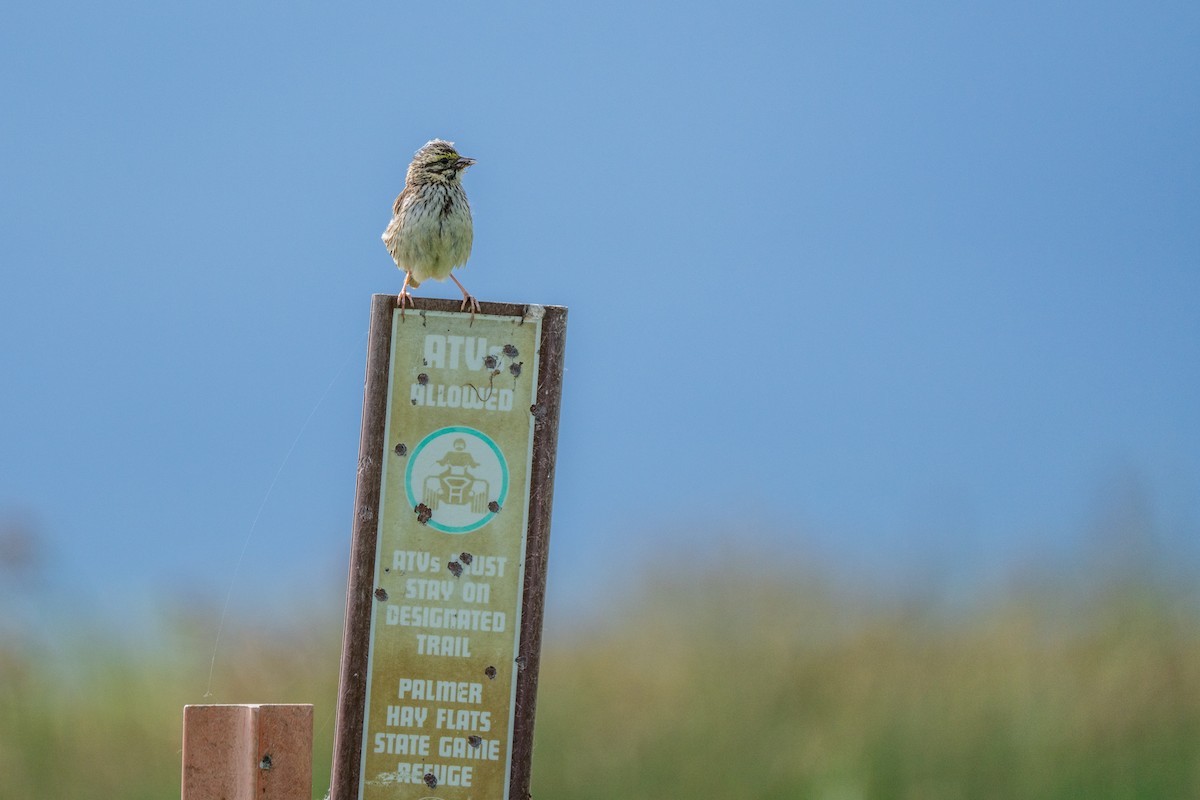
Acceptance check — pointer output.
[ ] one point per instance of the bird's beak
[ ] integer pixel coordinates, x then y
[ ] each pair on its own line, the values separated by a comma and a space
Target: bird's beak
464, 162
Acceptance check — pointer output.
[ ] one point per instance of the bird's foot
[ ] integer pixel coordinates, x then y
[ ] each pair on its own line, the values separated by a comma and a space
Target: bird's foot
400, 299
468, 300
472, 303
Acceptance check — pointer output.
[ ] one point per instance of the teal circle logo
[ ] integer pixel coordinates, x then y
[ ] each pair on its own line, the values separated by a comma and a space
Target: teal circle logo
460, 475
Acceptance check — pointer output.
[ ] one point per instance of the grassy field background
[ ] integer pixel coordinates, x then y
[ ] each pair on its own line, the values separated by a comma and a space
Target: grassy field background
743, 682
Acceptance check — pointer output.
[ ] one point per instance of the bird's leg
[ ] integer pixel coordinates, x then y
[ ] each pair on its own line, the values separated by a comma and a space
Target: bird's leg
404, 293
468, 300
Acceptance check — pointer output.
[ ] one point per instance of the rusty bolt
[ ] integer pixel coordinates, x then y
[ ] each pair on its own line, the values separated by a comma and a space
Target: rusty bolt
381, 593
490, 672
401, 449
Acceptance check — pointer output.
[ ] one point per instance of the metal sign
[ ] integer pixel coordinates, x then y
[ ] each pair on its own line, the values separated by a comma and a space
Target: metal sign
444, 608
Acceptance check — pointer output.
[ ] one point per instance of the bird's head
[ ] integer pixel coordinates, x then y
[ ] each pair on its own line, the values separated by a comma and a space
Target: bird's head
437, 161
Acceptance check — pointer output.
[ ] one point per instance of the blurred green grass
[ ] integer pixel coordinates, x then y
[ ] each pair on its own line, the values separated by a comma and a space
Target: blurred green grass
731, 682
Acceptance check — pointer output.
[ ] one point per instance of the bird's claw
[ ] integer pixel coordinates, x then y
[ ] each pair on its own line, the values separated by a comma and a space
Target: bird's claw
469, 300
400, 298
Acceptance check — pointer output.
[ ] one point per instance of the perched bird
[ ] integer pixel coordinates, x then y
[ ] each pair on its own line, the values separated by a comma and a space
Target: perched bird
430, 232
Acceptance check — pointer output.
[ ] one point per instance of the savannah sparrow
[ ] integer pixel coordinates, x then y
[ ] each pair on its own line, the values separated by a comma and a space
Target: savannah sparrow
430, 232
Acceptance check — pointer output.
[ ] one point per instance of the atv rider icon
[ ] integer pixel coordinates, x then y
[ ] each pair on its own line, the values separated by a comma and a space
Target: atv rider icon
455, 485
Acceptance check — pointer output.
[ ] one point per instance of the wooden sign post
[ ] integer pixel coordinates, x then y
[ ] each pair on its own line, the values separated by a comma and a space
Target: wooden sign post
444, 607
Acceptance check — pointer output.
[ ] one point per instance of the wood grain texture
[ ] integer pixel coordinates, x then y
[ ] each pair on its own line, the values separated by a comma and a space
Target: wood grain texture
247, 752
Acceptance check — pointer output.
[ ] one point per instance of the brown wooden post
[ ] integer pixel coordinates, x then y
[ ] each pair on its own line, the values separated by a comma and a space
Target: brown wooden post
442, 637
247, 752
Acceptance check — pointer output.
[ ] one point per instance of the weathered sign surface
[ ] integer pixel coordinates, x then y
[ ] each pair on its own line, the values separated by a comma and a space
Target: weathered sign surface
444, 612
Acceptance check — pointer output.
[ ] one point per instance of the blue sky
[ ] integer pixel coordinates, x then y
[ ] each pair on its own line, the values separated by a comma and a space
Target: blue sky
908, 288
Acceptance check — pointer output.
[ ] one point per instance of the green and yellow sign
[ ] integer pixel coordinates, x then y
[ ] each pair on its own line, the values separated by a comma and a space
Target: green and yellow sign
449, 562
